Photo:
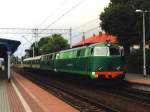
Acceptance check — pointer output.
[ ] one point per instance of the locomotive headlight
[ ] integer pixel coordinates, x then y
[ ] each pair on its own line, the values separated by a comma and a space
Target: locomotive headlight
108, 44
118, 68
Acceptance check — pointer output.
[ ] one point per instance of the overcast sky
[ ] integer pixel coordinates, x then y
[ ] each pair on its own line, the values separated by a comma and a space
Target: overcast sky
41, 13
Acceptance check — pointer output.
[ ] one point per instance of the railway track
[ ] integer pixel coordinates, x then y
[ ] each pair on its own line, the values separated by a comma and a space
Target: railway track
135, 94
78, 101
95, 99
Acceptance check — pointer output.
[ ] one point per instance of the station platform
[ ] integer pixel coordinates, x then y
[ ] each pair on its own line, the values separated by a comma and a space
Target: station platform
138, 79
21, 95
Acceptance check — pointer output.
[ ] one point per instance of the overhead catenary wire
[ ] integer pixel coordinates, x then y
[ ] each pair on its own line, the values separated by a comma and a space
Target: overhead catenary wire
87, 31
53, 13
27, 39
92, 29
31, 31
86, 23
67, 12
23, 45
82, 25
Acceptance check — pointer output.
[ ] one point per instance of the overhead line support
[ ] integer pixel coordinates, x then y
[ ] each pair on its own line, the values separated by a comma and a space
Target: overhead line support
70, 32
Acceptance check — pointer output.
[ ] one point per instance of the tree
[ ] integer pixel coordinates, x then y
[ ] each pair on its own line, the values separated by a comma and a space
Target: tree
120, 1
51, 44
120, 19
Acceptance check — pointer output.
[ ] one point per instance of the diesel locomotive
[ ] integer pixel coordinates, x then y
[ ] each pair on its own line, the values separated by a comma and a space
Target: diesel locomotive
97, 61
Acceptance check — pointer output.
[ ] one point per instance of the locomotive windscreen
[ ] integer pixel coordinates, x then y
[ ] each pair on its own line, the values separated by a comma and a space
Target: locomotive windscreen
106, 51
101, 51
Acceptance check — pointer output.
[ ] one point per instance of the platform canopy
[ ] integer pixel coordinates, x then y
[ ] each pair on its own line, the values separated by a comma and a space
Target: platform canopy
7, 45
7, 48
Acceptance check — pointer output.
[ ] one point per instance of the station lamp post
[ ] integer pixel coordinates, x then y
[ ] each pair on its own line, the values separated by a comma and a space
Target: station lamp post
144, 51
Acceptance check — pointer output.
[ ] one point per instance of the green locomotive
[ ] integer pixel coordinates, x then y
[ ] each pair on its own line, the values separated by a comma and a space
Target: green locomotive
101, 60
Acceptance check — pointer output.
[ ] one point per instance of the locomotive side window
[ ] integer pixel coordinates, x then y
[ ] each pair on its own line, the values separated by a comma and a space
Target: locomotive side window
92, 49
114, 51
101, 51
78, 53
82, 53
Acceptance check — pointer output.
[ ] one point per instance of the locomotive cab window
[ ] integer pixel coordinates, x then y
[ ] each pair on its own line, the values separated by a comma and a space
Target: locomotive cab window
101, 51
92, 49
114, 51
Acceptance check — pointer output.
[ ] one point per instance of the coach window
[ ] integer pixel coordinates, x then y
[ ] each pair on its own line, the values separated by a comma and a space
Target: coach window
53, 56
50, 57
57, 56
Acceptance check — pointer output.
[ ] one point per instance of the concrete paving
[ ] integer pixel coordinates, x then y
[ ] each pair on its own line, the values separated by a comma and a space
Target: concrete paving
4, 103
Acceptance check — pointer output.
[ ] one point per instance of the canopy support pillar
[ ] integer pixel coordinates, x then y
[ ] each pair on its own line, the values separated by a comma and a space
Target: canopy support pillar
8, 66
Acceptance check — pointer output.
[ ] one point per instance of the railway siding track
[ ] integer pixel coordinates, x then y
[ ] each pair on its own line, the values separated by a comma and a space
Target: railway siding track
109, 100
144, 87
142, 96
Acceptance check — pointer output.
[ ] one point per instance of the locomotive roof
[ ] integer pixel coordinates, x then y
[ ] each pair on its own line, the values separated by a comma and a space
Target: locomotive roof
38, 57
102, 44
74, 49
